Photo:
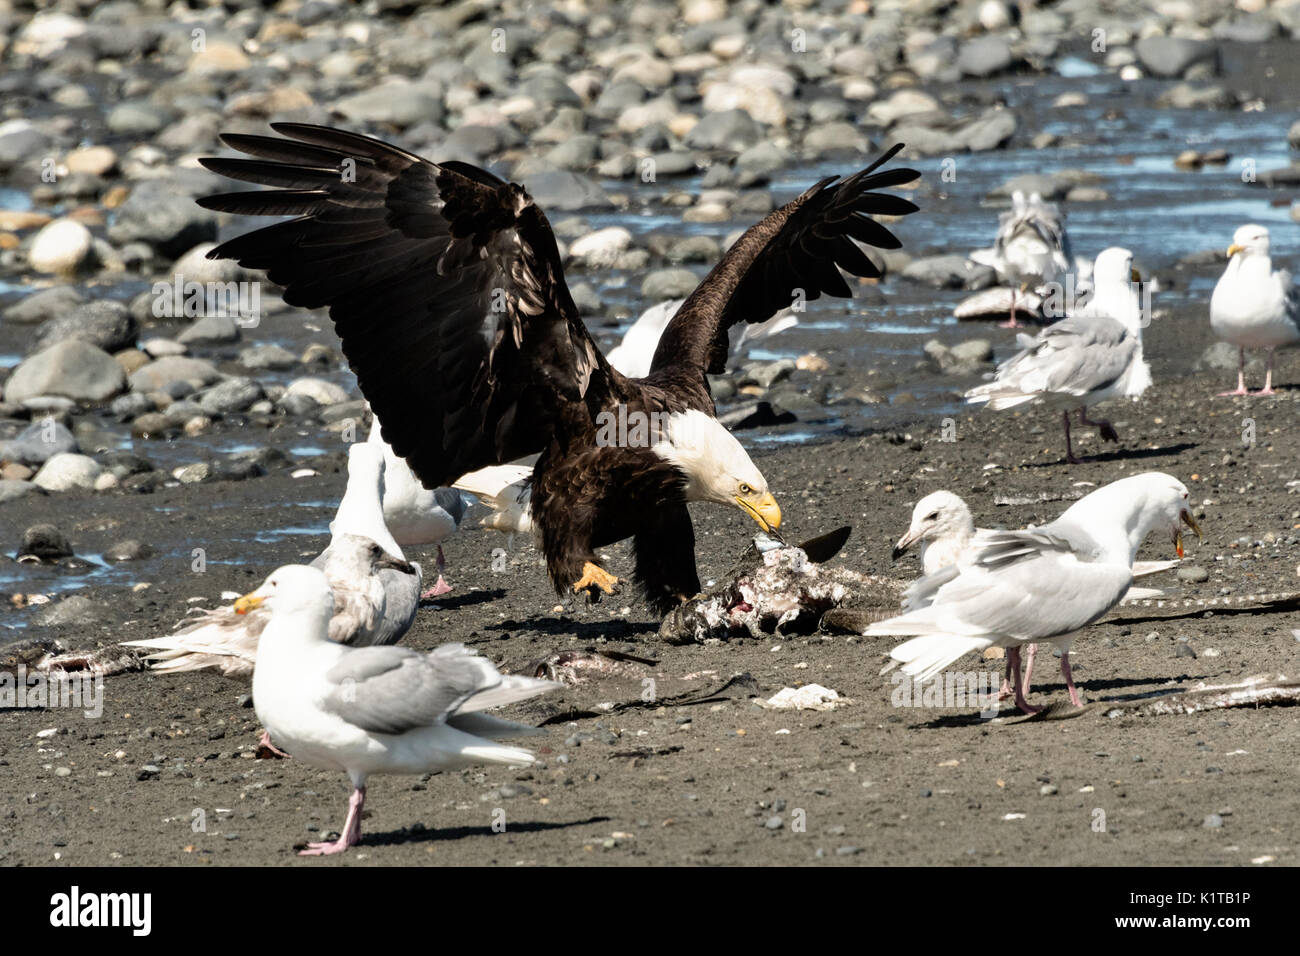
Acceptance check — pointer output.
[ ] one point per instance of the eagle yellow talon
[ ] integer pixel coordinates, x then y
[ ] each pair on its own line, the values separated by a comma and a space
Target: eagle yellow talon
595, 576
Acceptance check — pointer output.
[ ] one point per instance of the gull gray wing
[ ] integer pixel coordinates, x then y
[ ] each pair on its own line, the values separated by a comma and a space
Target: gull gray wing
391, 690
1074, 356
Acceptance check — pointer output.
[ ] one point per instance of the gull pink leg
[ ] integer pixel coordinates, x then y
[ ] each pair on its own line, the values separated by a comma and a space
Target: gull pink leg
1011, 323
1029, 667
1241, 375
1013, 655
441, 586
1268, 377
1069, 680
351, 834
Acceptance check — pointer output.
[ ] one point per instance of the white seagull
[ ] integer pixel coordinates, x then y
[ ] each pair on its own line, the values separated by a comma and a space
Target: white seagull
373, 710
1090, 357
945, 532
376, 590
633, 356
417, 515
1038, 585
1031, 249
1253, 306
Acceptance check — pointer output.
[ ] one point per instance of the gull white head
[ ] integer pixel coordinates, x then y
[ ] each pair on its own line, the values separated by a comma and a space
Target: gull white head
1147, 501
716, 467
294, 589
1249, 240
1115, 283
937, 516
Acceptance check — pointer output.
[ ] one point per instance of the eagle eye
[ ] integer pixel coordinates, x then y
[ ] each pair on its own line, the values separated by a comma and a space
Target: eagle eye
745, 489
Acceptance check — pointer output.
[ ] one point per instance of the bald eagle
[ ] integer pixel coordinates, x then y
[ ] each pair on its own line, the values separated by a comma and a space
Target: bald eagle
446, 288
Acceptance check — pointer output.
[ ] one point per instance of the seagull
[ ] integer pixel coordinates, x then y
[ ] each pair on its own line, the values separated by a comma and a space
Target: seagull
417, 515
634, 355
1090, 357
944, 530
1043, 584
1031, 249
505, 489
369, 710
376, 590
1254, 307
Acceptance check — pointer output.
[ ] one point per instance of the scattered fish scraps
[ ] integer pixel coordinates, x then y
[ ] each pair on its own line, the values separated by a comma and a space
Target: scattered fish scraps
775, 588
1262, 690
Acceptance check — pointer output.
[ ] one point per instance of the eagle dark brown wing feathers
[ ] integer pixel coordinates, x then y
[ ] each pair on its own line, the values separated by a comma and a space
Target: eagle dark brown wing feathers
801, 246
444, 284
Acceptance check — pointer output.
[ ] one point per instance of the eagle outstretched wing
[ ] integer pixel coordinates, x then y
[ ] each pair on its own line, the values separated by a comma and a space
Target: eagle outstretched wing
444, 283
801, 246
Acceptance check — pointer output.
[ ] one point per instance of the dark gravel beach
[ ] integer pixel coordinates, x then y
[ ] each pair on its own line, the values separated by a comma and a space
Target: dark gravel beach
208, 454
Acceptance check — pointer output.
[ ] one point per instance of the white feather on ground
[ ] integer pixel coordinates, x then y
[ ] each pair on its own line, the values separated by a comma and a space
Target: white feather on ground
376, 591
1253, 305
374, 709
633, 355
1039, 585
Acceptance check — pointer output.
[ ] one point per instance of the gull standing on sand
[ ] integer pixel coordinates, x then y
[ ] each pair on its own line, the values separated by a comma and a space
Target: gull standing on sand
1090, 357
944, 530
376, 590
1038, 585
1253, 306
373, 710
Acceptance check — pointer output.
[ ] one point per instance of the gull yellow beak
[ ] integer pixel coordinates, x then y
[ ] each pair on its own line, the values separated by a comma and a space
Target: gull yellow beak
1234, 249
766, 512
247, 603
1187, 519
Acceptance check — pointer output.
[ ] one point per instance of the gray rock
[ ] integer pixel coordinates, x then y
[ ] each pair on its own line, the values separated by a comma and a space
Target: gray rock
173, 368
319, 390
1213, 821
767, 374
36, 443
129, 550
764, 159
270, 357
71, 611
991, 130
43, 305
576, 152
563, 189
72, 369
12, 489
985, 56
232, 395
950, 272
1173, 56
1256, 28
1192, 574
732, 130
964, 358
106, 324
162, 213
46, 542
20, 141
67, 471
131, 404
832, 138
668, 284
137, 118
153, 425
399, 102
211, 330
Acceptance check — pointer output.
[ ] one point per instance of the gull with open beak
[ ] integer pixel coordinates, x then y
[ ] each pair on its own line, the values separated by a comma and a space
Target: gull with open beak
1043, 584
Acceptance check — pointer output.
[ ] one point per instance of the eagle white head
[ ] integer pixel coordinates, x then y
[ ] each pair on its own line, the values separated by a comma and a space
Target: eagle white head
716, 467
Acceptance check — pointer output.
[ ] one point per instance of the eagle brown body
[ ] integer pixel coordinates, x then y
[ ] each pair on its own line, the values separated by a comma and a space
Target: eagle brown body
446, 288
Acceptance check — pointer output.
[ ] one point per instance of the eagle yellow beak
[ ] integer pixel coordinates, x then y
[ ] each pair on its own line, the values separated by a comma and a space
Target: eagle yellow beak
766, 512
1234, 249
247, 603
